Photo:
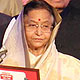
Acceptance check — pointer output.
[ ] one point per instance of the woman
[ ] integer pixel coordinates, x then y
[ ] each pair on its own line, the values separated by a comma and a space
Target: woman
29, 42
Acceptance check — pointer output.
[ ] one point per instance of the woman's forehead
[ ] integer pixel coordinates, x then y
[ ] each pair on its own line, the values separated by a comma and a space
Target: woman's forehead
39, 15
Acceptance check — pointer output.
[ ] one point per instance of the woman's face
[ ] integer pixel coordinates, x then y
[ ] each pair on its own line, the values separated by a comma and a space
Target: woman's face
38, 37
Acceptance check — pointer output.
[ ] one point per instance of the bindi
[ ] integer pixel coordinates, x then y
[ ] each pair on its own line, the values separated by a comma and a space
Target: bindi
39, 19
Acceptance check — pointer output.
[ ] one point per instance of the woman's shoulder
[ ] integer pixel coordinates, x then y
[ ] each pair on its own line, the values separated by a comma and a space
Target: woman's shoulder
69, 60
69, 66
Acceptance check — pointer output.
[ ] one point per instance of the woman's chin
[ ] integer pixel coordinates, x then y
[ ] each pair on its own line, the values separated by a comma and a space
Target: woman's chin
37, 45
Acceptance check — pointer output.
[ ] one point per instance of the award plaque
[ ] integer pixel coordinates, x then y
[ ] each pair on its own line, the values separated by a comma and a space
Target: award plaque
18, 73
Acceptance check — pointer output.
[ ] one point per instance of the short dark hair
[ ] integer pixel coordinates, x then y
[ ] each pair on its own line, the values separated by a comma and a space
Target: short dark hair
34, 4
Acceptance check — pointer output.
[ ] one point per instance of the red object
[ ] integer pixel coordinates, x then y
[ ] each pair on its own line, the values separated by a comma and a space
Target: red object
31, 74
39, 19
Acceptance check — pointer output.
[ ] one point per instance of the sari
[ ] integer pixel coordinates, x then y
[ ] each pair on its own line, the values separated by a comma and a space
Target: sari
52, 65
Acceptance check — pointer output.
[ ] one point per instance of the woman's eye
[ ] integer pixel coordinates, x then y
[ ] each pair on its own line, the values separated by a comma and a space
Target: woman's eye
45, 26
32, 25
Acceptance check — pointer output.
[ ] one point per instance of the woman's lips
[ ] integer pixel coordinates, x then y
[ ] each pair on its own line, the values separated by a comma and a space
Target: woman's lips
38, 39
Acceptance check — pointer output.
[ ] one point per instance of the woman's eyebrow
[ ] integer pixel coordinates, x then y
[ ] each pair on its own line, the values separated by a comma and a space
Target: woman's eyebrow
32, 21
45, 22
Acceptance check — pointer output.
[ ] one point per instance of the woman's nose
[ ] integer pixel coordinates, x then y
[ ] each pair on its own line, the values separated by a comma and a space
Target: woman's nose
39, 30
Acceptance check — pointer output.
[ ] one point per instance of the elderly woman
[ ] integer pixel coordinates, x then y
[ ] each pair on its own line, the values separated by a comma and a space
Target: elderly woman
30, 42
